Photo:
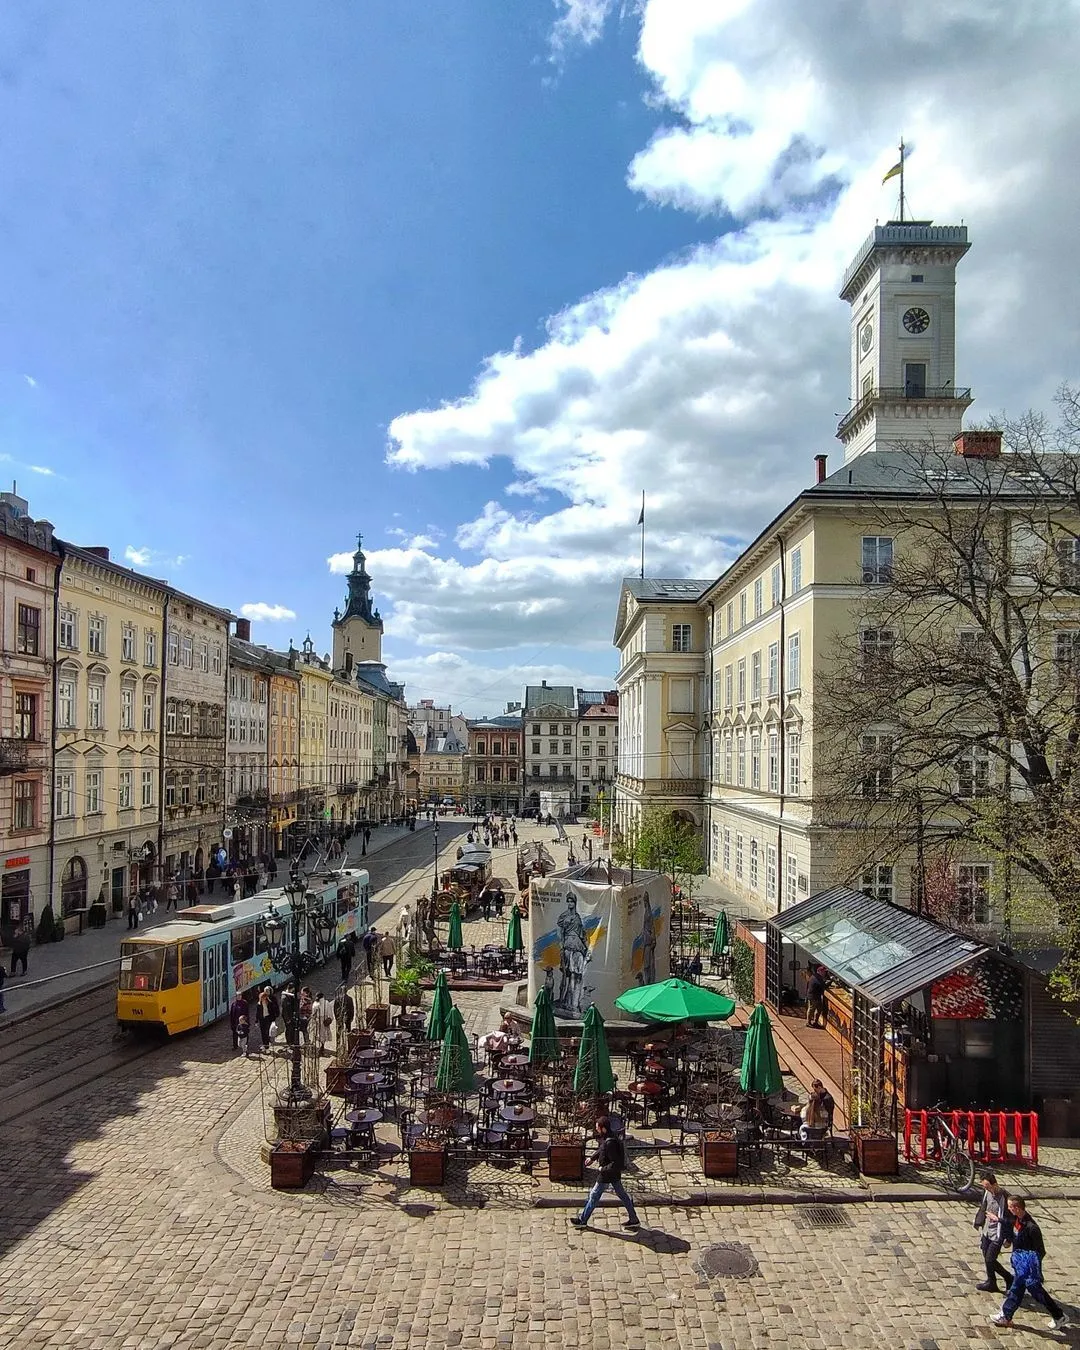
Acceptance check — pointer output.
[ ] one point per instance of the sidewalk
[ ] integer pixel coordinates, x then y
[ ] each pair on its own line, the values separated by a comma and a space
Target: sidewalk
60, 970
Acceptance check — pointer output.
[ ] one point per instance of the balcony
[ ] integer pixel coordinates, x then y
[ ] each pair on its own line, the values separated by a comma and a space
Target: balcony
17, 755
903, 394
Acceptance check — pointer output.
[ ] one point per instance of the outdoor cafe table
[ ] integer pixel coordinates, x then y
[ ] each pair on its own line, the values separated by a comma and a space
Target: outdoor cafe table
369, 1057
722, 1113
363, 1119
391, 1036
506, 1087
366, 1079
514, 1061
514, 1115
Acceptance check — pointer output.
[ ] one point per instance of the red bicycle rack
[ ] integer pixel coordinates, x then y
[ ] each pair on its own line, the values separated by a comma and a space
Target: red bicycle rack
987, 1136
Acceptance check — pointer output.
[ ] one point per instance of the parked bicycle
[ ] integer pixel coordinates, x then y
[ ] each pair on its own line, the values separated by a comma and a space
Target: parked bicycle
956, 1163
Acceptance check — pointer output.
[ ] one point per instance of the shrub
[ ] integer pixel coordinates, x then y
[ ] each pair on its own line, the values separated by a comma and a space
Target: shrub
46, 928
742, 970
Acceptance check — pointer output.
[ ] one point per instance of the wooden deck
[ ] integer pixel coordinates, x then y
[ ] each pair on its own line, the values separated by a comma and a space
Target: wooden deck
806, 1053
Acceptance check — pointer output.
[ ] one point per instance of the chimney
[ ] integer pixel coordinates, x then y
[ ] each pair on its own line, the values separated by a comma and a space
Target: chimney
243, 630
543, 684
98, 552
978, 444
821, 461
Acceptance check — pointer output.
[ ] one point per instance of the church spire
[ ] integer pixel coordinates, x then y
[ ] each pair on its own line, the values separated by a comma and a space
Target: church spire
358, 595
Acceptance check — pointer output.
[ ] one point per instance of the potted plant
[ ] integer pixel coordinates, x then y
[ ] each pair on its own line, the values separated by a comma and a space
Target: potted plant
335, 1078
719, 1153
566, 1158
405, 989
46, 927
292, 1164
873, 1138
427, 1162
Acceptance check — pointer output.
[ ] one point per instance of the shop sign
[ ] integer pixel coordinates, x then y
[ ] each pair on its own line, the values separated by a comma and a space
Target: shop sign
23, 860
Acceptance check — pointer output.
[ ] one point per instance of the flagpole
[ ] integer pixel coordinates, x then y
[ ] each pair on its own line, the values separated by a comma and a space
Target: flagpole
901, 180
643, 534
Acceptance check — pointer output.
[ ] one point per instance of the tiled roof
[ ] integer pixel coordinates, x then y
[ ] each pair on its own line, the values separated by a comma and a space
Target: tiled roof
545, 695
666, 588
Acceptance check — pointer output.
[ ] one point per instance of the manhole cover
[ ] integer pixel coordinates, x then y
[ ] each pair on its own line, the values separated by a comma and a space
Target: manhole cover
727, 1260
822, 1216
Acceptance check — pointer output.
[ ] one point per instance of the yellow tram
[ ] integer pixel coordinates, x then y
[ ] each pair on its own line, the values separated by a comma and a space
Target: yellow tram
185, 973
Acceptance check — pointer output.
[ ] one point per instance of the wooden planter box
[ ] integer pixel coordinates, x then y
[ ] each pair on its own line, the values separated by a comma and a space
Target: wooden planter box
876, 1155
291, 1168
360, 1040
378, 1017
719, 1156
427, 1166
566, 1162
335, 1079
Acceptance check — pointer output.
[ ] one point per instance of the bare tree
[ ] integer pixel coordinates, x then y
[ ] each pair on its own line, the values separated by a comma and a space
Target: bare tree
947, 721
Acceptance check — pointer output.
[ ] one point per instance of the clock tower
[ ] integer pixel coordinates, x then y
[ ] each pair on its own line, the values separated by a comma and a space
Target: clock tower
901, 287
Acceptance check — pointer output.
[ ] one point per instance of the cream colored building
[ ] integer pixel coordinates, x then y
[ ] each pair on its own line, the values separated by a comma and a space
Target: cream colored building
717, 681
316, 679
108, 716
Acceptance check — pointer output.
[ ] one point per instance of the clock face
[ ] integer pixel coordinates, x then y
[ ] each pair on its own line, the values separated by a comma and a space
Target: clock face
916, 320
867, 336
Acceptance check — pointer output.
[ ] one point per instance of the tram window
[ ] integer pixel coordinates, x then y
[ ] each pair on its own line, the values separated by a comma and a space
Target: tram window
189, 963
261, 944
168, 968
140, 966
243, 943
346, 901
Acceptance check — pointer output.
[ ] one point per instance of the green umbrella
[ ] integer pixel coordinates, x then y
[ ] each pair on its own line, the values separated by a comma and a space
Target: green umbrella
455, 1072
722, 937
593, 1075
441, 1007
760, 1071
676, 1001
454, 940
514, 940
543, 1037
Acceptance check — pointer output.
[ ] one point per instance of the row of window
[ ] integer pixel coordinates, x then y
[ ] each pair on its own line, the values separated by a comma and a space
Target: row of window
738, 769
751, 602
129, 783
247, 687
67, 696
496, 773
189, 719
553, 729
735, 684
753, 865
243, 730
496, 748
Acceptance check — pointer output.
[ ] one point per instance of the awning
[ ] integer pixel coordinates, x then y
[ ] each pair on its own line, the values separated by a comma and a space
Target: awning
878, 948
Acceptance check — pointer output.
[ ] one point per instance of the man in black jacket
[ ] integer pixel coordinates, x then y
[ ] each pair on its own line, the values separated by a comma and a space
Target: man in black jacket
610, 1158
992, 1217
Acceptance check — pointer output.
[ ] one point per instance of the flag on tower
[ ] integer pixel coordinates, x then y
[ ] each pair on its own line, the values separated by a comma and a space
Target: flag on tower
896, 168
641, 517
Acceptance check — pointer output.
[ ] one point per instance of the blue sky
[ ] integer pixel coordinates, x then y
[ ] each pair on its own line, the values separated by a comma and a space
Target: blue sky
467, 282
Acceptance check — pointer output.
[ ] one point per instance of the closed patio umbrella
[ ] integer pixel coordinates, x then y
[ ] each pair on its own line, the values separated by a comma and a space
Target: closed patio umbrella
676, 1001
455, 1072
454, 939
514, 941
721, 937
593, 1076
441, 1007
760, 1070
543, 1036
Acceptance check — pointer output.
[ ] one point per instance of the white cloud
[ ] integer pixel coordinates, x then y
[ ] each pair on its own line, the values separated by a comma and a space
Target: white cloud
30, 381
712, 380
580, 22
481, 691
152, 557
137, 557
42, 469
263, 613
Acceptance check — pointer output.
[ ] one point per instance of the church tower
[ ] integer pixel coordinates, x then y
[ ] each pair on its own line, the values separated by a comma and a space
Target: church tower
358, 631
901, 287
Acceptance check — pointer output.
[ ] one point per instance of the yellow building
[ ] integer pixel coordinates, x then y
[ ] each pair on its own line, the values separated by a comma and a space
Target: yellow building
283, 738
106, 782
316, 681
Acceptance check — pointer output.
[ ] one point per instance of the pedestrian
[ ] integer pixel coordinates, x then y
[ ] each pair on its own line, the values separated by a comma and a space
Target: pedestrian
237, 1009
171, 898
307, 1005
133, 912
368, 943
367, 837
345, 955
192, 891
992, 1216
815, 998
387, 950
267, 1011
344, 1012
610, 1156
322, 1022
242, 1033
20, 948
289, 1014
1028, 1252
3, 977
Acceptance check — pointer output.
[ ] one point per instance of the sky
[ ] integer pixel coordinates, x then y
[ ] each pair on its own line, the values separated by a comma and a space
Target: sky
468, 278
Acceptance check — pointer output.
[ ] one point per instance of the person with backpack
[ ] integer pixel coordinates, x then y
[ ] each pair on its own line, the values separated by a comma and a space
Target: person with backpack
610, 1157
1025, 1238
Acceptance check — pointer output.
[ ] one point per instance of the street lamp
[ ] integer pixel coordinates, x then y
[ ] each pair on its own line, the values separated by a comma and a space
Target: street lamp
287, 957
435, 887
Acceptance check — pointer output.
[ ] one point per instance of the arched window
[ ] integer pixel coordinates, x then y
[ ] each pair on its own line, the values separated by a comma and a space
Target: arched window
73, 886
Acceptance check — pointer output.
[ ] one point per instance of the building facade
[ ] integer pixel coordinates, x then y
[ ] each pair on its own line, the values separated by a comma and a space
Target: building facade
283, 745
29, 563
494, 765
247, 748
196, 688
440, 768
316, 679
549, 749
106, 786
598, 750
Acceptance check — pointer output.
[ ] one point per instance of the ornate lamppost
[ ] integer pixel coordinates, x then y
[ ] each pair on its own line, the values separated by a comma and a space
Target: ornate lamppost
435, 885
286, 956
